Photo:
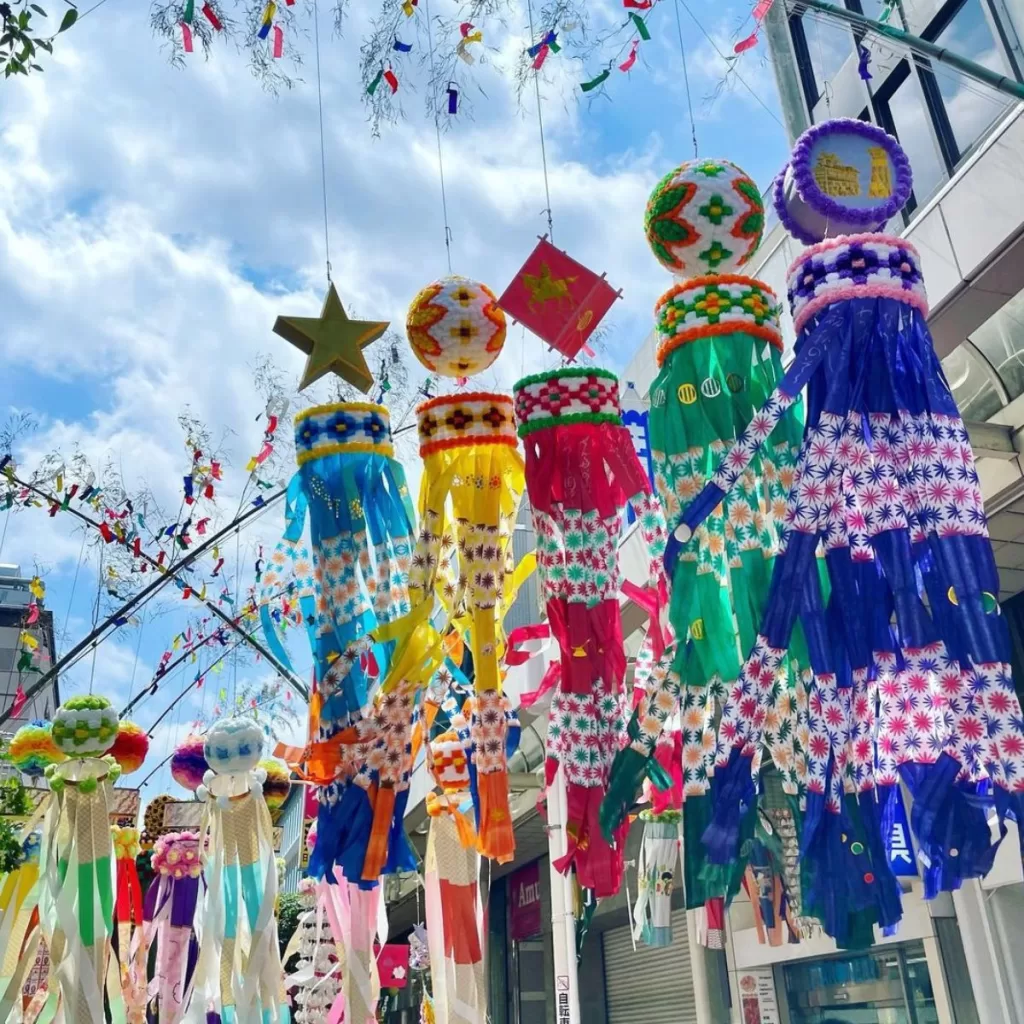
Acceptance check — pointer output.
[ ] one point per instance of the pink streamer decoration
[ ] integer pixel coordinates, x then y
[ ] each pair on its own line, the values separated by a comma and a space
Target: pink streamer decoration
278, 50
631, 59
33, 614
542, 55
186, 37
761, 9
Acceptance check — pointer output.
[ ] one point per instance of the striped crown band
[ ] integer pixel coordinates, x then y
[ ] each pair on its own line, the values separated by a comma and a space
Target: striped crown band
474, 418
354, 427
705, 307
854, 267
573, 394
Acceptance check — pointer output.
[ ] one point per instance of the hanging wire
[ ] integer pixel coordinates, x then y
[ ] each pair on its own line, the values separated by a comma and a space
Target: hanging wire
323, 156
540, 125
74, 584
731, 62
3, 537
437, 132
686, 82
95, 619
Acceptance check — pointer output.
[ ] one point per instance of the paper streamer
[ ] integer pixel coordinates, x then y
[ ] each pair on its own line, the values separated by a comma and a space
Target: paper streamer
278, 51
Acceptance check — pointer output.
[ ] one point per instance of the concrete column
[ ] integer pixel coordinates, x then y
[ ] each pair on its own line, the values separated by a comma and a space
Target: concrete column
981, 953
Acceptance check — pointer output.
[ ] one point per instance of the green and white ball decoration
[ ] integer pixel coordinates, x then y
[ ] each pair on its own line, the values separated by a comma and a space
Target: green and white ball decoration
704, 217
85, 726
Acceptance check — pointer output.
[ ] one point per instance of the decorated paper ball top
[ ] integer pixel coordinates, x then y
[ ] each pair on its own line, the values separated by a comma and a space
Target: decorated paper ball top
449, 762
189, 764
233, 746
455, 327
126, 842
176, 855
130, 747
277, 783
704, 217
845, 177
85, 726
32, 749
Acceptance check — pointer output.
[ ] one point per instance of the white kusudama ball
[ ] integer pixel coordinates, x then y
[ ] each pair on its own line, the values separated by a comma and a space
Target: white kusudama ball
233, 746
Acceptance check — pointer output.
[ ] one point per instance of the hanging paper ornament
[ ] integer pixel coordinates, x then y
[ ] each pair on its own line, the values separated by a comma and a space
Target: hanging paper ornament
705, 217
153, 820
241, 880
350, 578
558, 299
189, 764
321, 966
130, 747
128, 919
332, 342
85, 726
844, 176
170, 909
469, 501
656, 878
451, 889
886, 482
455, 327
277, 784
19, 917
77, 901
32, 749
581, 471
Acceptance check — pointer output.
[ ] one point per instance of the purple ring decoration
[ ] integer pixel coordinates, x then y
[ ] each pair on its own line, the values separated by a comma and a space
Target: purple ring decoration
845, 176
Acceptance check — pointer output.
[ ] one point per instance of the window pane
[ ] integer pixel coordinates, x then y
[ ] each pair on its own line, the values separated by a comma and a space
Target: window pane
971, 106
975, 394
829, 45
1001, 340
914, 131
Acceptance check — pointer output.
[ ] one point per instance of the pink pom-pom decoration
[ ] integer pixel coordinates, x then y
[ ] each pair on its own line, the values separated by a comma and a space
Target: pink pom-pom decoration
32, 749
188, 763
277, 783
130, 747
176, 855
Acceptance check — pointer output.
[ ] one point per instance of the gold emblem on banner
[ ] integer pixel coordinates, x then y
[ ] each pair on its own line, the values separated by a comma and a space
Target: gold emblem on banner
687, 394
697, 629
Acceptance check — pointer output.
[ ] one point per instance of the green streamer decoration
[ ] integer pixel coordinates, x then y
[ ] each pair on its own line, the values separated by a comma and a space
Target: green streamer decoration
190, 12
595, 82
641, 26
372, 87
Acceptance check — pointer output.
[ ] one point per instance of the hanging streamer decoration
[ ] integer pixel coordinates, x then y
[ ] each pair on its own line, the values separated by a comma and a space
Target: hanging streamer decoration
886, 482
350, 578
77, 895
720, 356
241, 887
469, 500
581, 471
169, 913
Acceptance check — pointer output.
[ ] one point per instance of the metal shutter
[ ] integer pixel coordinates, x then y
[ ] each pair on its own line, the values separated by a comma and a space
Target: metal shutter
651, 985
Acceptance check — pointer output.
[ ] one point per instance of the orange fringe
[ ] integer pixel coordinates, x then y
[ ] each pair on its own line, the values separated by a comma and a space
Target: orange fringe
497, 839
377, 848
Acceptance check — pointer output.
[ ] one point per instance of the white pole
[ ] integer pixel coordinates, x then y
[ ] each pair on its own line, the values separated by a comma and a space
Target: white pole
563, 921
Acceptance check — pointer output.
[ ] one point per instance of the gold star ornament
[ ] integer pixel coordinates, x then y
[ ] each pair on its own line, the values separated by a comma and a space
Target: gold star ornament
332, 342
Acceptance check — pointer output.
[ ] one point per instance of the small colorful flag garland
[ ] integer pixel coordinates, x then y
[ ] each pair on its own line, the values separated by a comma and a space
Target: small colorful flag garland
643, 34
760, 11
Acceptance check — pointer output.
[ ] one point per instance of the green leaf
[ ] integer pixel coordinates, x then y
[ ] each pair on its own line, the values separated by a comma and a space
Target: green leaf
70, 17
38, 10
23, 19
36, 67
671, 230
45, 44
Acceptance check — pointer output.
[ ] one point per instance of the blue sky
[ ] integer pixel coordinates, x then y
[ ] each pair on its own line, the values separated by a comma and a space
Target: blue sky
159, 218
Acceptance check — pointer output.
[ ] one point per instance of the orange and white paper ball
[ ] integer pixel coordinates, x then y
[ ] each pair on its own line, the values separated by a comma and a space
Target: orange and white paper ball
455, 327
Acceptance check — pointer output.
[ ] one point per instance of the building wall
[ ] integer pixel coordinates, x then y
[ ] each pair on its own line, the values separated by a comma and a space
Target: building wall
14, 601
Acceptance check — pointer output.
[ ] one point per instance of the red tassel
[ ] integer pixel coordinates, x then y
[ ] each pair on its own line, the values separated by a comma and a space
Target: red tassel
211, 17
542, 55
279, 40
105, 532
201, 526
631, 59
638, 5
137, 547
186, 593
208, 489
186, 37
392, 80
54, 509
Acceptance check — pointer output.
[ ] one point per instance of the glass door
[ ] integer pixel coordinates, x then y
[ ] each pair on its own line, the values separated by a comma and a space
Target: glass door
529, 1006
